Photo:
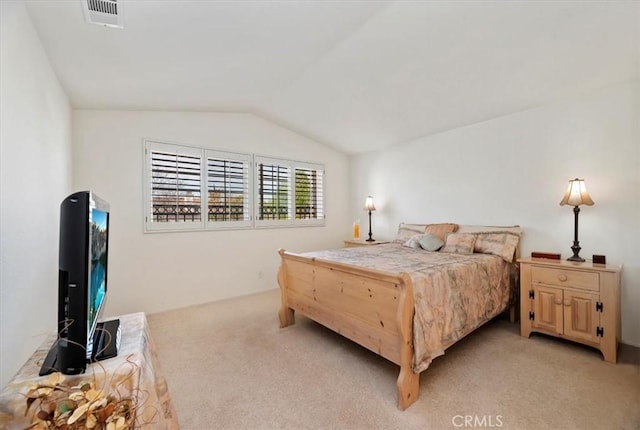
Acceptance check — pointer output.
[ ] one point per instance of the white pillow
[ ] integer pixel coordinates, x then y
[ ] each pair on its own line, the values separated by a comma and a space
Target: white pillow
428, 242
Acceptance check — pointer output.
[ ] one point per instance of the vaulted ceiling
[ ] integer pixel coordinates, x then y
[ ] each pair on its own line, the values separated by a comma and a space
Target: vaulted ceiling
356, 75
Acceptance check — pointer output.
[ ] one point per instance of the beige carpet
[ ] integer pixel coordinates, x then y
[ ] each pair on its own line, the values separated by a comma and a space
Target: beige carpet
229, 366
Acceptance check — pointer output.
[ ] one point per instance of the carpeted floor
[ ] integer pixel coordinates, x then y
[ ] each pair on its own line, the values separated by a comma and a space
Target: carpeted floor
230, 366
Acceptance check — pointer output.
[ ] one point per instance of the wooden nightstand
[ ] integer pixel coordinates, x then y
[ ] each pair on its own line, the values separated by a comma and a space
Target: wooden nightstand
574, 301
350, 243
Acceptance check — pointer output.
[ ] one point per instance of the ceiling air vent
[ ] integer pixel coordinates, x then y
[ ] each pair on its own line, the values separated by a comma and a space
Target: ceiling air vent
103, 12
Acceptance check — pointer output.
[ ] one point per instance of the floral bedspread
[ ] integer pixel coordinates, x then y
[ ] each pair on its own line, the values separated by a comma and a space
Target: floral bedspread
453, 293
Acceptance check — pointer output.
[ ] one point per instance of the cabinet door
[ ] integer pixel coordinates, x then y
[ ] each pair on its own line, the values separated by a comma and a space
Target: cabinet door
547, 308
580, 316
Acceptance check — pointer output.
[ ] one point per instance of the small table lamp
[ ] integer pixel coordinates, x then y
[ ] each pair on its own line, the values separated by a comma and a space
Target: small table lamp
368, 205
575, 196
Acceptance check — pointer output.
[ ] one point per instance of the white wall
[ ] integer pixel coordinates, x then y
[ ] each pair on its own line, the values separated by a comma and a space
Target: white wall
514, 170
155, 271
35, 175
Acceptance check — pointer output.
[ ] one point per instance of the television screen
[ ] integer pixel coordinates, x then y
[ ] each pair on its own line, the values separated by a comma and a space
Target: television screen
98, 225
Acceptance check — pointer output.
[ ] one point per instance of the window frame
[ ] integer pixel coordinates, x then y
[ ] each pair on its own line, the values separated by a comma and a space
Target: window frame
150, 226
292, 221
151, 146
321, 203
252, 190
232, 156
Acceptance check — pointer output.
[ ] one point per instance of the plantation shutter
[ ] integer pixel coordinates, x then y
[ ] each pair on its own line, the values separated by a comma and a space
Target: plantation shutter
273, 191
190, 188
175, 187
309, 192
228, 189
288, 193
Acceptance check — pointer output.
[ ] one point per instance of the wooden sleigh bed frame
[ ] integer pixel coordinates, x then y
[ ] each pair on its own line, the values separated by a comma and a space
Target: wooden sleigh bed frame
372, 308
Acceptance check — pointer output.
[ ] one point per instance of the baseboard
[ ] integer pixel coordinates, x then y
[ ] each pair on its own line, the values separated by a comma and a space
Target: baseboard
628, 354
629, 344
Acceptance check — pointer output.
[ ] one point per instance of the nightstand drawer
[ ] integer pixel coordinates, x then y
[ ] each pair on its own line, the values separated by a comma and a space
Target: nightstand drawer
566, 278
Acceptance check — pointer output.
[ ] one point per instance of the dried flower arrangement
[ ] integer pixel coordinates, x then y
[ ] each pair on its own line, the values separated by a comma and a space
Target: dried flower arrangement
52, 404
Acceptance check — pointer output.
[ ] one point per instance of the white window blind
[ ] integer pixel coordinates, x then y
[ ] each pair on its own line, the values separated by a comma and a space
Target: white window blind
274, 190
189, 188
309, 193
174, 187
228, 189
288, 193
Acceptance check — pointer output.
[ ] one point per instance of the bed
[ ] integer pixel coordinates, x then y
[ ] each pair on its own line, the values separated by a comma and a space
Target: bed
406, 301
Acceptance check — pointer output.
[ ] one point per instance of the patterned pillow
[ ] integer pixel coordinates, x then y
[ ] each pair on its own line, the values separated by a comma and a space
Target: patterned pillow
502, 244
464, 228
459, 243
441, 230
407, 231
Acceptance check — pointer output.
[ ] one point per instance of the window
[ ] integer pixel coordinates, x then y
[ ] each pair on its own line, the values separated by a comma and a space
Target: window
188, 188
179, 177
174, 188
228, 191
309, 193
288, 192
274, 191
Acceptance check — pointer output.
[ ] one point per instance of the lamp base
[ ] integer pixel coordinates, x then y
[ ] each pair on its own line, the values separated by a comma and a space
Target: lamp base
576, 258
576, 250
370, 234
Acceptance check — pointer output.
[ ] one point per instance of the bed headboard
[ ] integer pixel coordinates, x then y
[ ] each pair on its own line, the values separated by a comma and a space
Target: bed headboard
405, 230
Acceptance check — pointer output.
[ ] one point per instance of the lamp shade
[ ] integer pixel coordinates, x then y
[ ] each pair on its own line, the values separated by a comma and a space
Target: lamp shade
368, 204
576, 194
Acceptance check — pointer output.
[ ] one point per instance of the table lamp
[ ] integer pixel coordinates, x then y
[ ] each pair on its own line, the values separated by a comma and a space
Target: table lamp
575, 196
368, 205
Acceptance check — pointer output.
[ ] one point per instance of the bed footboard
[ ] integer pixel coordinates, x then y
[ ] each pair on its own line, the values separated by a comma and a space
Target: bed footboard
372, 308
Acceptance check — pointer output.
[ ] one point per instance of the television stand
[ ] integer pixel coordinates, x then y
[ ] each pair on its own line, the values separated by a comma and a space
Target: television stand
133, 375
106, 342
50, 361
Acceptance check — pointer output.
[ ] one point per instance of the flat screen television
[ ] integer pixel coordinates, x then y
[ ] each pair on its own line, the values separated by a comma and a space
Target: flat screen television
82, 284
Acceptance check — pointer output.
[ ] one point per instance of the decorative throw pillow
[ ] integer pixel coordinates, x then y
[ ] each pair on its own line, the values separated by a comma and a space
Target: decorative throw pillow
459, 243
430, 242
502, 244
407, 231
413, 241
441, 230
